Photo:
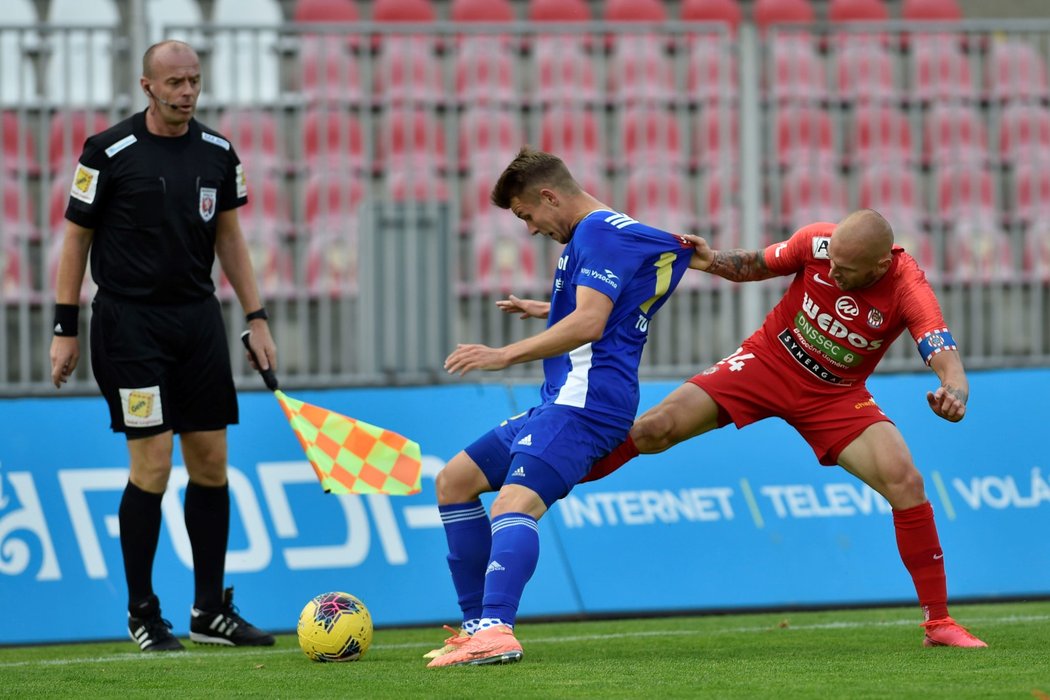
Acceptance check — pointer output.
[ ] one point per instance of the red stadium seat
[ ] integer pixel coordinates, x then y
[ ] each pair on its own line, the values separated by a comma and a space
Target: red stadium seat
272, 265
504, 257
954, 134
857, 12
572, 134
414, 185
1037, 251
931, 10
333, 140
411, 140
481, 11
253, 133
880, 133
329, 74
1024, 131
940, 72
965, 193
323, 11
332, 196
489, 135
798, 73
332, 260
804, 135
16, 275
812, 194
724, 11
712, 73
629, 12
406, 75
1031, 192
865, 73
719, 190
650, 189
67, 132
58, 200
641, 72
18, 150
908, 233
716, 136
565, 74
1016, 70
767, 13
403, 11
651, 136
54, 250
558, 11
485, 76
267, 207
891, 187
977, 250
18, 219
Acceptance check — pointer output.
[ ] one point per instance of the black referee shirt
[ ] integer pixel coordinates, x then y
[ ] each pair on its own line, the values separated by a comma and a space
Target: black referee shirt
153, 202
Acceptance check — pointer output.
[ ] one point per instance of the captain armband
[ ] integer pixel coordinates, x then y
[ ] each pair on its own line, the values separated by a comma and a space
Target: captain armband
934, 342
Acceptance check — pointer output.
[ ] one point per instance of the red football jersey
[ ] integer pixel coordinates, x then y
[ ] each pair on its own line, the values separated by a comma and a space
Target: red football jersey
839, 336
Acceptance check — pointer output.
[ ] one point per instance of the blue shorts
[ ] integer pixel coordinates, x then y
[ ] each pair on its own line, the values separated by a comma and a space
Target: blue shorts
548, 449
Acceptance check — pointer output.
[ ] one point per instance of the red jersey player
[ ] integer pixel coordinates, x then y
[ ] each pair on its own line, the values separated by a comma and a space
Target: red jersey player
853, 293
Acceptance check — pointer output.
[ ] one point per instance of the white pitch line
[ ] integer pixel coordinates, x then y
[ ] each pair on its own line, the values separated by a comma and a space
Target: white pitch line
254, 652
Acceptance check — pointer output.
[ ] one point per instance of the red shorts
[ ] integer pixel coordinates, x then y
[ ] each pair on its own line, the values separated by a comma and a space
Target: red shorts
749, 385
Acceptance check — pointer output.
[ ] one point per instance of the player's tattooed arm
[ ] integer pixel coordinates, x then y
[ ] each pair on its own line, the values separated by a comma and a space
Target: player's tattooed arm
740, 265
958, 392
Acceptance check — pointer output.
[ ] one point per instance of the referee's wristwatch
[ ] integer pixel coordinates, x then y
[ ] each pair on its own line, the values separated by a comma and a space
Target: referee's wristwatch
258, 313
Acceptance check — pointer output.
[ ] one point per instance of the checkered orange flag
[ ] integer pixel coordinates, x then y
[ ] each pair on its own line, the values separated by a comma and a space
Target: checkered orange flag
351, 456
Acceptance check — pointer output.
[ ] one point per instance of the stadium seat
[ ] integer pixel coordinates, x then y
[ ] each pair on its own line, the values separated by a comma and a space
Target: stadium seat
767, 13
489, 135
328, 73
909, 233
891, 187
954, 134
80, 68
331, 260
325, 11
723, 11
272, 265
651, 189
798, 73
1016, 70
52, 255
414, 185
1030, 192
976, 249
331, 197
17, 42
16, 275
804, 135
931, 11
940, 72
267, 208
18, 150
856, 13
622, 14
1036, 247
464, 12
719, 190
865, 73
57, 201
18, 219
406, 75
485, 76
880, 133
965, 193
253, 133
812, 194
564, 74
712, 73
163, 16
245, 59
67, 132
1024, 131
332, 140
651, 136
641, 72
394, 12
716, 136
411, 140
503, 256
560, 14
572, 134
558, 11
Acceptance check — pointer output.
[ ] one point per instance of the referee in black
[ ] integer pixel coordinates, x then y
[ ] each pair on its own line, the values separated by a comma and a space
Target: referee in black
154, 201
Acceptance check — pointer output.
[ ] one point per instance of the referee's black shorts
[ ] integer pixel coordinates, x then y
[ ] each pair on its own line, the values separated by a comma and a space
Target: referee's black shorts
162, 367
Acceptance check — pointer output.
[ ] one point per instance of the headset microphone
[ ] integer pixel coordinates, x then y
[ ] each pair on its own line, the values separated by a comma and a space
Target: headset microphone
163, 102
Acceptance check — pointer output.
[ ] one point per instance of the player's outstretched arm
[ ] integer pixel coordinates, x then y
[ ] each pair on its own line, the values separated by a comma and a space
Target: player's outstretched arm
739, 265
528, 308
949, 400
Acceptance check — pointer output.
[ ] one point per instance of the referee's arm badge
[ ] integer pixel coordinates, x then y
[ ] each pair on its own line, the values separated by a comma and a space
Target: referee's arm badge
85, 183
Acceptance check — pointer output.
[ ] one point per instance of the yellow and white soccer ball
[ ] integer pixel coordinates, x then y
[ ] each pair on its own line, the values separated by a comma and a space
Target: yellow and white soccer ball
335, 626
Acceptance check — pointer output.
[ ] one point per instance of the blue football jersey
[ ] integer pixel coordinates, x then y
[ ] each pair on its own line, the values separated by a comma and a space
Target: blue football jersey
635, 265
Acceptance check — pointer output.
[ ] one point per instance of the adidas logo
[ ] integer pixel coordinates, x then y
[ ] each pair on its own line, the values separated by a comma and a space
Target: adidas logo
494, 566
520, 471
58, 328
527, 440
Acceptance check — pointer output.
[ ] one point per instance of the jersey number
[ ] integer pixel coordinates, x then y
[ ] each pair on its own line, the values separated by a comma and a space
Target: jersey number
735, 362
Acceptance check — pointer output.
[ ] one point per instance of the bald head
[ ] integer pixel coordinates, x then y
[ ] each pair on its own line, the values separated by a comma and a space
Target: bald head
860, 249
165, 52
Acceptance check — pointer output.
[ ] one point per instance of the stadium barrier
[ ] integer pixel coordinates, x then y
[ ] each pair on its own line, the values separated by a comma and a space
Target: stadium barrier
723, 522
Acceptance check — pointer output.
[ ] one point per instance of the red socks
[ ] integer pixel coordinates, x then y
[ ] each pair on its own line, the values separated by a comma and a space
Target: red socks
920, 551
605, 466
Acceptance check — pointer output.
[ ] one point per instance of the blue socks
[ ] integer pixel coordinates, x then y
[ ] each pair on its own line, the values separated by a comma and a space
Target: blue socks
469, 538
515, 551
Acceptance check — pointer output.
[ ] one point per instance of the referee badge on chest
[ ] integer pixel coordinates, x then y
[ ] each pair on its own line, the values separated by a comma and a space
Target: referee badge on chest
207, 202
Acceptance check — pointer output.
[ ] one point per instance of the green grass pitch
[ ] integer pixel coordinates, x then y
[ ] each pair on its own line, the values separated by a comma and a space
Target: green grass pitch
871, 653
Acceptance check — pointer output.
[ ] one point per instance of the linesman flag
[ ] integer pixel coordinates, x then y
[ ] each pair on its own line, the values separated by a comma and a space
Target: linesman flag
349, 455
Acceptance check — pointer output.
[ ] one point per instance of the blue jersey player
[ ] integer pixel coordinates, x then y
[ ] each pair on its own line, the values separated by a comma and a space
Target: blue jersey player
613, 276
